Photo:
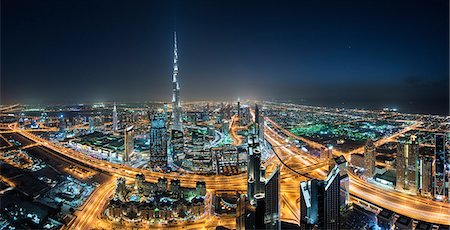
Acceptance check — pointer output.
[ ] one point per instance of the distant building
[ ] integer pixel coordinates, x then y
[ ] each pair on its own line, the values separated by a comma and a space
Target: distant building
158, 142
407, 164
129, 143
369, 159
319, 202
114, 119
439, 166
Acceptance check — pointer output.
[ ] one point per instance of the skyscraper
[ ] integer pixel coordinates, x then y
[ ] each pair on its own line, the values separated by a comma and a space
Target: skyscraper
272, 195
439, 167
158, 141
129, 143
176, 103
114, 119
344, 182
407, 164
369, 159
253, 167
425, 175
259, 124
319, 202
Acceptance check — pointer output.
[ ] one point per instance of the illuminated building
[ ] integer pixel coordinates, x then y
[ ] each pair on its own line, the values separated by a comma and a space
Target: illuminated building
407, 164
177, 145
139, 182
162, 184
272, 202
369, 159
114, 118
158, 142
253, 166
62, 123
200, 188
319, 202
341, 162
121, 189
242, 212
129, 143
426, 175
176, 103
439, 167
174, 186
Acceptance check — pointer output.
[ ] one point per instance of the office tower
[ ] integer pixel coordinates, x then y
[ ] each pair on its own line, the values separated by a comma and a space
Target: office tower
260, 209
259, 124
158, 142
129, 143
91, 123
326, 153
369, 159
239, 108
62, 123
121, 189
177, 144
319, 202
426, 175
176, 103
175, 185
253, 167
341, 162
114, 119
200, 188
139, 182
439, 167
162, 184
241, 212
407, 164
272, 202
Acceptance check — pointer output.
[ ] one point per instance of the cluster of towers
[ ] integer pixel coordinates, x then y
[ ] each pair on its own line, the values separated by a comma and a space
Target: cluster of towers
415, 172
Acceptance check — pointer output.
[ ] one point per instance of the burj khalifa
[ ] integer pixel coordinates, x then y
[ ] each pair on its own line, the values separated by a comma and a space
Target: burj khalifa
176, 103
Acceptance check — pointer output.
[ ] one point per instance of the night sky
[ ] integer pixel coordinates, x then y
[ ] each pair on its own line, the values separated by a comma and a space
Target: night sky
366, 54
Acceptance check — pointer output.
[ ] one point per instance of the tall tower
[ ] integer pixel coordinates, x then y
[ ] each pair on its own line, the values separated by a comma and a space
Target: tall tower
369, 158
114, 118
176, 103
129, 143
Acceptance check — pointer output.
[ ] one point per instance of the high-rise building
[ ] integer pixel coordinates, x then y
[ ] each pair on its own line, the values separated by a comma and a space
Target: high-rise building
426, 175
439, 167
407, 164
121, 189
369, 159
176, 103
177, 144
259, 124
341, 162
129, 143
114, 119
272, 203
319, 202
158, 142
253, 167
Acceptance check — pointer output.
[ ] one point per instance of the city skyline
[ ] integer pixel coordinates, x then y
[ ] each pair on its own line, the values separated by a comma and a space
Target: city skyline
272, 52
